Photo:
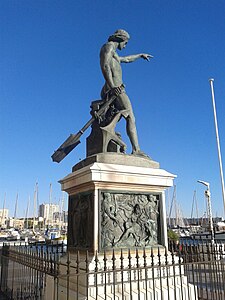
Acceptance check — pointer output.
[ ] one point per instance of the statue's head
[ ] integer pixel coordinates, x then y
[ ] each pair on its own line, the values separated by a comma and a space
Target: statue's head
120, 36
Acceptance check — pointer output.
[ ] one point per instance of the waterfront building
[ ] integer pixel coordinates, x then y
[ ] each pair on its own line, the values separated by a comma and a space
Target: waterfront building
61, 218
15, 223
47, 211
4, 215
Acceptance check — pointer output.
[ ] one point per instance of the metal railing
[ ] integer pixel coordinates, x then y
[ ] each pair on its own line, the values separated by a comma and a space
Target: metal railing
204, 266
187, 272
24, 269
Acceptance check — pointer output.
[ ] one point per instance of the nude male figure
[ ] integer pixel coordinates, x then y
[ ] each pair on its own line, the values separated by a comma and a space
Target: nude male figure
110, 63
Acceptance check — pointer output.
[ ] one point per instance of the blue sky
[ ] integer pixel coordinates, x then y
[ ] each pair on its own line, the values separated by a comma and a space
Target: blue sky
49, 74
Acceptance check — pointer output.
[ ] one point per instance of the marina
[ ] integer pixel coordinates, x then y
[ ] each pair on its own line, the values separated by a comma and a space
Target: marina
107, 110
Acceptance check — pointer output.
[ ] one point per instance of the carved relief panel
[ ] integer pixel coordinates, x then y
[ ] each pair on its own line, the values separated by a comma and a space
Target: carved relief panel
81, 220
129, 220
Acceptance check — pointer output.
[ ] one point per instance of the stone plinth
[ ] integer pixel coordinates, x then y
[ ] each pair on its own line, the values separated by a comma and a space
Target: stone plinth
116, 201
150, 274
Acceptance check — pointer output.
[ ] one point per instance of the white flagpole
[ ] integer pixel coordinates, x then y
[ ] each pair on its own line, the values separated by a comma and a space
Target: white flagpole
218, 140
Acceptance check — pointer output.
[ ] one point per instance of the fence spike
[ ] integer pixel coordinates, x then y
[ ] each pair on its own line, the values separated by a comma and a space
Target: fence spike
78, 262
129, 259
96, 261
87, 261
105, 260
144, 257
121, 259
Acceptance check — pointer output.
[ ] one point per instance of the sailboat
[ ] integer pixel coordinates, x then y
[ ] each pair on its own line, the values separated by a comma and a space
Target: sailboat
13, 234
26, 234
37, 237
177, 223
55, 235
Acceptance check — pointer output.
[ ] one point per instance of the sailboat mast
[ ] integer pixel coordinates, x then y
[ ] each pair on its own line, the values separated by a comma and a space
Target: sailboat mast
192, 208
35, 204
61, 211
168, 217
27, 210
194, 205
15, 212
172, 203
50, 204
218, 140
3, 211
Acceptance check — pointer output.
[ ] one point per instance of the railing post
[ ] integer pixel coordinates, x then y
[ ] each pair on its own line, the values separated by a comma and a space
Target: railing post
96, 273
87, 274
68, 275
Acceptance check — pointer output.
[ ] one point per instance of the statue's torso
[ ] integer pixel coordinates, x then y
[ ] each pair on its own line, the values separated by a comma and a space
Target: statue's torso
109, 56
116, 70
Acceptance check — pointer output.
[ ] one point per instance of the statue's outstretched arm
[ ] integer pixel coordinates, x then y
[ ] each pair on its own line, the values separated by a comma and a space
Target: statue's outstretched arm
131, 58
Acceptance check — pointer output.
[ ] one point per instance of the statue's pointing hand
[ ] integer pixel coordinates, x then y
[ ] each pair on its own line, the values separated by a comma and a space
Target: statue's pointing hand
146, 56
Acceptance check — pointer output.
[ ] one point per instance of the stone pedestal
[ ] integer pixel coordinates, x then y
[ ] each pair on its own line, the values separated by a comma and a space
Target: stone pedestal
116, 201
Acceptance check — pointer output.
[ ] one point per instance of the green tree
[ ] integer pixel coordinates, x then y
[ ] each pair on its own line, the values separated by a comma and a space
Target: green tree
172, 236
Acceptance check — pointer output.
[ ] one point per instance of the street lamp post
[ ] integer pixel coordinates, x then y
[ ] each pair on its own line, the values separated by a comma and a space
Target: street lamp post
209, 207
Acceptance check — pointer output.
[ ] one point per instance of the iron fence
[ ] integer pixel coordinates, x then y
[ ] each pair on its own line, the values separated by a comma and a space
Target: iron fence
24, 269
186, 272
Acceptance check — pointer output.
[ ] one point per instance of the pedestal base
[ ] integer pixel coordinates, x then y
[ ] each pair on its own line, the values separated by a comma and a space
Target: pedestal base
118, 201
114, 205
126, 275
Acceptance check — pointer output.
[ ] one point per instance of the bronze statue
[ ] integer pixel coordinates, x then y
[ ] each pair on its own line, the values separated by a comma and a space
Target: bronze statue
113, 105
110, 63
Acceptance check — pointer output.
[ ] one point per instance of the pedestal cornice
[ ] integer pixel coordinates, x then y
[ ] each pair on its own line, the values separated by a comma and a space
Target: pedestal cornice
118, 177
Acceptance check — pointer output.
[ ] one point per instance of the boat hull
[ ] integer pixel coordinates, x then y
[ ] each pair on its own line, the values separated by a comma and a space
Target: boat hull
218, 236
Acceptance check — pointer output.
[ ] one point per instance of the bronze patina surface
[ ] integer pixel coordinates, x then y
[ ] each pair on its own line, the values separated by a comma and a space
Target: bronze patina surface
113, 105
